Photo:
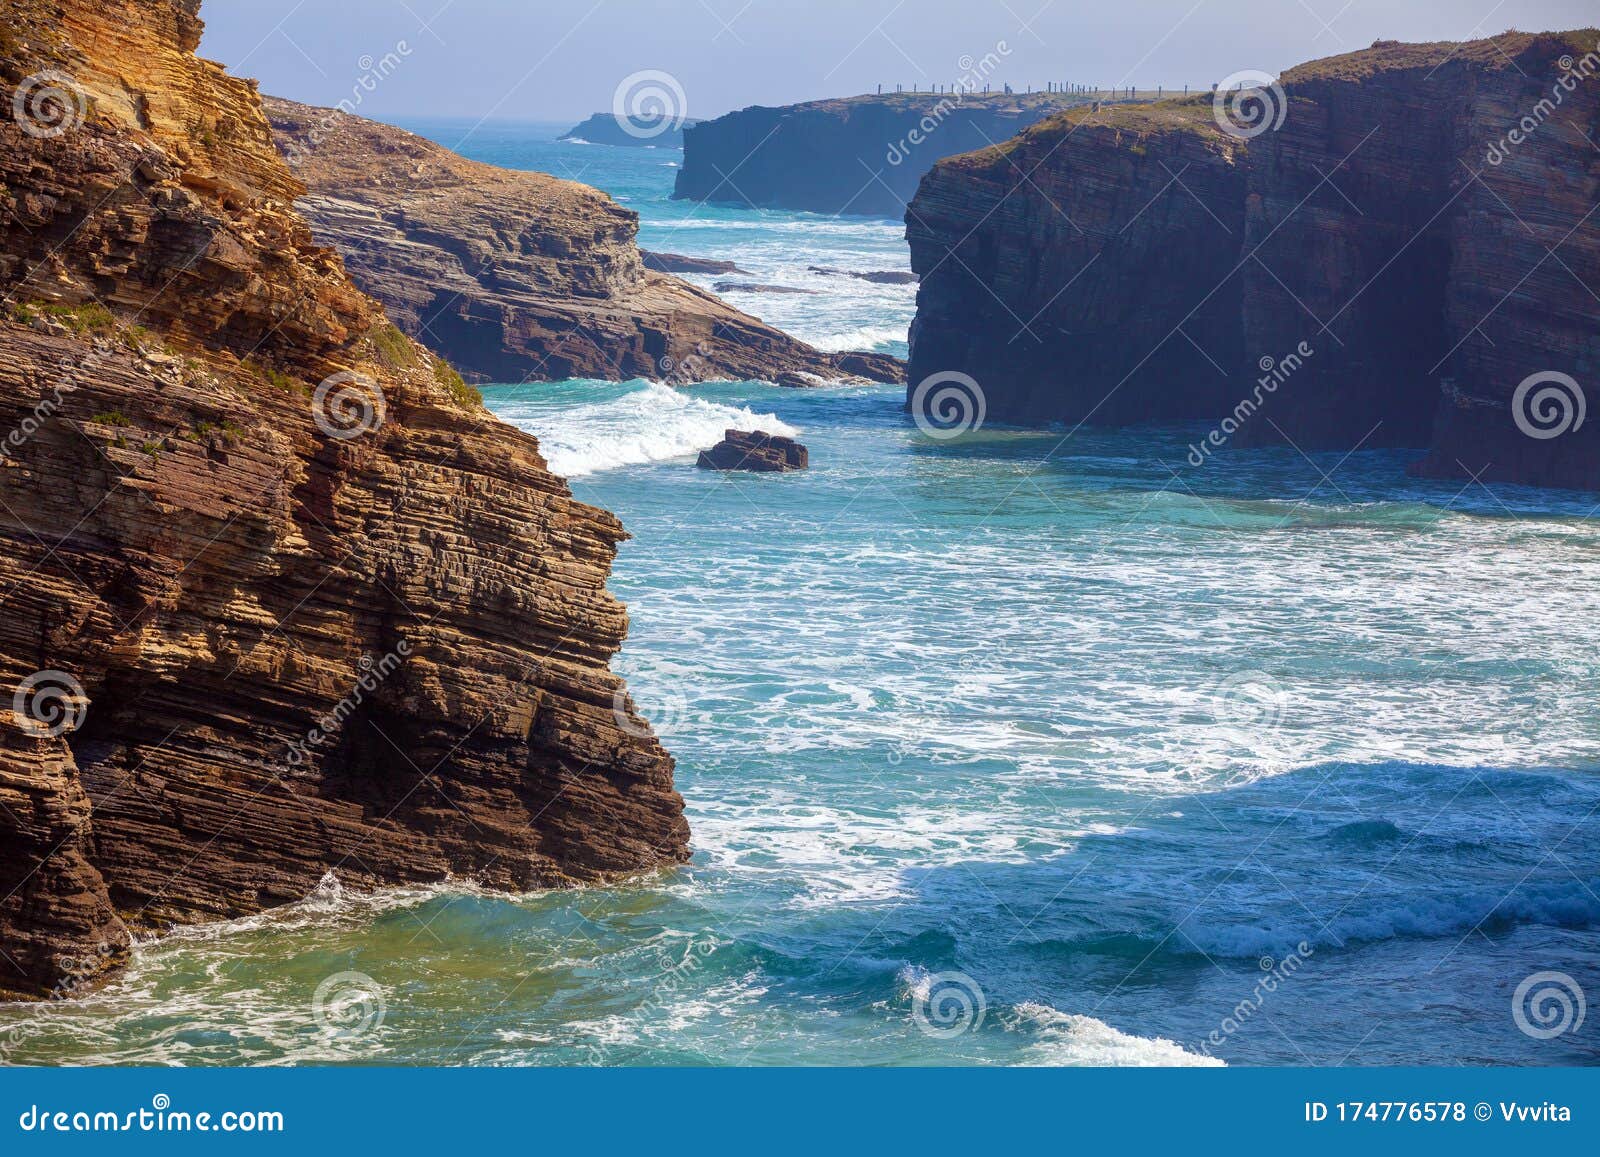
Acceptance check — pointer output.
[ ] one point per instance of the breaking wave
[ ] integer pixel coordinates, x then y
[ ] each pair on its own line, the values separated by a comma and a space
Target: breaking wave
650, 423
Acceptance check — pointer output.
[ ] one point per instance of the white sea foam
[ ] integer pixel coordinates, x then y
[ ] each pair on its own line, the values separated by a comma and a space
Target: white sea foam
1072, 1039
866, 337
652, 424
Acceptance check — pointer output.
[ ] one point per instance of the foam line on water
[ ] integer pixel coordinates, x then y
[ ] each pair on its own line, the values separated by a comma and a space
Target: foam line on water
653, 423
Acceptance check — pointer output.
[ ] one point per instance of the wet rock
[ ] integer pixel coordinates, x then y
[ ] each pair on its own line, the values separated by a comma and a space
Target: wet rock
756, 451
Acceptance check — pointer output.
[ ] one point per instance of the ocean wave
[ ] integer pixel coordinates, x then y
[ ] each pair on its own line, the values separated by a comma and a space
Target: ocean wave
1077, 1040
654, 423
1200, 935
867, 337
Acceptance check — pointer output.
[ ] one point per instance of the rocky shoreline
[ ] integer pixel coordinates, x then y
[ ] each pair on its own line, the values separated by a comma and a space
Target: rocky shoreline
518, 276
1368, 264
279, 597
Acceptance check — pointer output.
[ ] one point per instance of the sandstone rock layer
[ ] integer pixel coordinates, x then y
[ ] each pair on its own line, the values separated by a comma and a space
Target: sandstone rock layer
277, 596
518, 276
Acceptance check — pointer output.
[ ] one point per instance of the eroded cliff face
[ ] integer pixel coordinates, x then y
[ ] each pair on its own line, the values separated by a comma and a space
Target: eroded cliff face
1047, 269
518, 276
277, 597
1422, 219
861, 155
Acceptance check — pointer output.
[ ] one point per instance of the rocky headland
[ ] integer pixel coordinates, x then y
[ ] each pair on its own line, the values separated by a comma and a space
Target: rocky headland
518, 276
862, 155
606, 128
1398, 247
278, 598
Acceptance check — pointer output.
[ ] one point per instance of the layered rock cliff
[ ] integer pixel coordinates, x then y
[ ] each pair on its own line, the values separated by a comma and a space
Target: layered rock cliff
277, 597
862, 155
1065, 298
1420, 218
518, 276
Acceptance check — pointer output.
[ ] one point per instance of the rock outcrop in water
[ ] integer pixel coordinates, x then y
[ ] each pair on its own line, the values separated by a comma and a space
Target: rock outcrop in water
1389, 264
678, 263
862, 155
277, 597
518, 276
606, 128
756, 451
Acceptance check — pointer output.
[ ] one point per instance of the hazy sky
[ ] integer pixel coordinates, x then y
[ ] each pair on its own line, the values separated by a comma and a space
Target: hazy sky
563, 59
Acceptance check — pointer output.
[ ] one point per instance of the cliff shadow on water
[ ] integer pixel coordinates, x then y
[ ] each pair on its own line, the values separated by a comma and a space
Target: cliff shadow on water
1334, 914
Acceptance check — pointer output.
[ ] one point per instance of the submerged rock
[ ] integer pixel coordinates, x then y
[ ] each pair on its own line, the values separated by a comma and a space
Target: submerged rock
678, 263
755, 450
753, 287
876, 276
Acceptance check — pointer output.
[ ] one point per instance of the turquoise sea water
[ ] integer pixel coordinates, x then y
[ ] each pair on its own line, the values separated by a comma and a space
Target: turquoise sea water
1007, 749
